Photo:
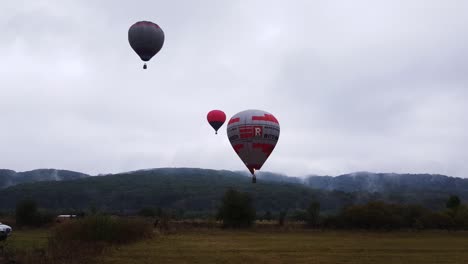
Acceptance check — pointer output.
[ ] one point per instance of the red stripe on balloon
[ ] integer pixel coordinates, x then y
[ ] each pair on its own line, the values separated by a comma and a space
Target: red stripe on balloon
266, 148
234, 120
266, 117
246, 132
244, 129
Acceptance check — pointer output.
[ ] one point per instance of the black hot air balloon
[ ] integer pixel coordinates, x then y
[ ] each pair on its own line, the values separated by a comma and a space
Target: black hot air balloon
146, 39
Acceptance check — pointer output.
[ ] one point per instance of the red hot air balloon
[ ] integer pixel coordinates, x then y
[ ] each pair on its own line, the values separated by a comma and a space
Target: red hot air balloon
253, 135
146, 39
216, 118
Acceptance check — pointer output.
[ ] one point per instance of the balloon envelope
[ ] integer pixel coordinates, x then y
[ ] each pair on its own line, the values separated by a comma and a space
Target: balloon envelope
253, 135
146, 39
216, 118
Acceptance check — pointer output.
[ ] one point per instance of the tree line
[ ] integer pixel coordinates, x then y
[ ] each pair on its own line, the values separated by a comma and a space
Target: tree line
237, 210
198, 193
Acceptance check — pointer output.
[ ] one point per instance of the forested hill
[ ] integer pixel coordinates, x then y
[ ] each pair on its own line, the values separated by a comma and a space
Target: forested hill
195, 191
190, 190
10, 178
389, 182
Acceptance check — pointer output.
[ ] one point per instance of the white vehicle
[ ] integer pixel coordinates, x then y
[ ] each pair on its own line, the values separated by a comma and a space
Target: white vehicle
5, 231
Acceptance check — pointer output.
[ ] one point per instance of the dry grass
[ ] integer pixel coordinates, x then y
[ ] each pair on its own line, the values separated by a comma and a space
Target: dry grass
30, 239
25, 245
218, 246
78, 241
267, 246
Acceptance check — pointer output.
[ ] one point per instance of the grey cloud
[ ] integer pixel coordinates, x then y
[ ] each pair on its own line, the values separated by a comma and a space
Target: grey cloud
364, 85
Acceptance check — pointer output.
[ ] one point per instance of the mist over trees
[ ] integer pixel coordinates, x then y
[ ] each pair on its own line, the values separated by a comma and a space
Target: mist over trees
197, 193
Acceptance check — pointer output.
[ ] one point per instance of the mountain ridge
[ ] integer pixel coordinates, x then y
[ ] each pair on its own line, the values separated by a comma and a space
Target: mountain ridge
10, 177
199, 191
355, 181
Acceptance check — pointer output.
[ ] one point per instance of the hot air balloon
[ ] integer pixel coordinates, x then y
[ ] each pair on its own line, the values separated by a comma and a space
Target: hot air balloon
253, 135
146, 39
216, 118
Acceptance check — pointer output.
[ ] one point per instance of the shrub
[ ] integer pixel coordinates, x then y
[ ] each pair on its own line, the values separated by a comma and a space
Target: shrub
267, 216
147, 212
374, 215
299, 215
453, 202
461, 217
313, 214
100, 228
282, 218
27, 214
237, 210
82, 240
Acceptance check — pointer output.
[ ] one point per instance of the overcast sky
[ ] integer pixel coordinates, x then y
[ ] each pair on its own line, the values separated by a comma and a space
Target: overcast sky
356, 85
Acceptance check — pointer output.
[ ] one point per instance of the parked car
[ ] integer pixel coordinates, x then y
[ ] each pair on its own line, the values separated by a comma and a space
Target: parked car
5, 231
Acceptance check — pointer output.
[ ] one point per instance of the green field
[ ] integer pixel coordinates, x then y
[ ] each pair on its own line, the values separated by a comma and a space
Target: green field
299, 246
296, 247
27, 240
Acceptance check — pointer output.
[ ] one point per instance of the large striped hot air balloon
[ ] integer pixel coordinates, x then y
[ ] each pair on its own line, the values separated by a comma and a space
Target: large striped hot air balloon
146, 39
253, 135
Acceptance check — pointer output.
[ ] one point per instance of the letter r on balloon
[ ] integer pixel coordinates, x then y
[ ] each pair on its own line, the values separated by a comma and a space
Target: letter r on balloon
258, 131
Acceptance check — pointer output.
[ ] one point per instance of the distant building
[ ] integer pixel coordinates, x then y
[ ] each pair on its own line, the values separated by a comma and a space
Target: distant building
64, 218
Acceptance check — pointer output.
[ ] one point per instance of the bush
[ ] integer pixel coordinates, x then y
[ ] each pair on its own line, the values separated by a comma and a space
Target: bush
27, 214
313, 214
299, 215
147, 212
438, 220
461, 217
237, 210
282, 218
267, 216
380, 215
453, 202
100, 228
82, 240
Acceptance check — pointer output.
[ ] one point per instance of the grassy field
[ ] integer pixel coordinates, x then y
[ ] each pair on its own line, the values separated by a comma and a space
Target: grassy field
24, 243
28, 240
299, 246
217, 246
